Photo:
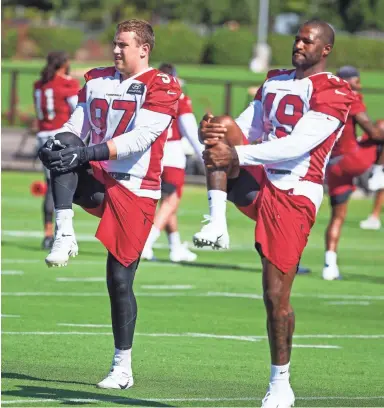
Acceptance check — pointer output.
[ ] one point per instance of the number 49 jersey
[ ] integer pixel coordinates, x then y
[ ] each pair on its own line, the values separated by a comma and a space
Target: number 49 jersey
279, 105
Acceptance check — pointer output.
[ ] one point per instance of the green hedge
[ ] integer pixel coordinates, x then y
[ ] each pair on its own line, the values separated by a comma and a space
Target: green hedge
177, 43
56, 38
174, 43
8, 43
227, 47
364, 53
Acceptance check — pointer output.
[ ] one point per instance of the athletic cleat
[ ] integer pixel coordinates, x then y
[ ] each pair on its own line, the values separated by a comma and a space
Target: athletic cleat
371, 223
47, 243
117, 379
278, 397
182, 254
331, 272
147, 254
376, 181
302, 270
212, 234
64, 246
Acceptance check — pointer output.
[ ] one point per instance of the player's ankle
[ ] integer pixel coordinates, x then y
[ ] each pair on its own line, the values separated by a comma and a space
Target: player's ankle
217, 200
64, 222
174, 240
280, 373
330, 258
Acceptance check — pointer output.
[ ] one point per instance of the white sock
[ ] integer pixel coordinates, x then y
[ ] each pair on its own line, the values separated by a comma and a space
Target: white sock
123, 358
153, 236
217, 205
174, 240
377, 168
330, 258
64, 223
279, 373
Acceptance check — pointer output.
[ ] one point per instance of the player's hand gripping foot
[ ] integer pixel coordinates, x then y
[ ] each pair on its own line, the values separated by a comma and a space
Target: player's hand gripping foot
331, 272
64, 246
278, 397
212, 234
182, 254
118, 378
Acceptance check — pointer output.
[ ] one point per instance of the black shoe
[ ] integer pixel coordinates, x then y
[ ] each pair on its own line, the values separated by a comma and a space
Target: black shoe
47, 243
302, 270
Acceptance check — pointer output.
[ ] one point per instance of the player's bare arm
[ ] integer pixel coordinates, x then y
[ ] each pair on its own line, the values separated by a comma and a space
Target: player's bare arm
374, 132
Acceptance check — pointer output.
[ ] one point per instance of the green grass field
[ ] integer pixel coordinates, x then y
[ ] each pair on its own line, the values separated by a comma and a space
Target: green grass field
204, 95
201, 338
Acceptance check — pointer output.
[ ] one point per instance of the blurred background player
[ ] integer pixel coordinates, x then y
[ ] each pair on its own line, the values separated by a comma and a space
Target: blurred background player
376, 183
55, 98
349, 159
172, 178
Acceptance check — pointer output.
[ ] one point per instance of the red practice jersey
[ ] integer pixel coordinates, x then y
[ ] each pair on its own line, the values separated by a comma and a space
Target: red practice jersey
348, 139
51, 101
185, 106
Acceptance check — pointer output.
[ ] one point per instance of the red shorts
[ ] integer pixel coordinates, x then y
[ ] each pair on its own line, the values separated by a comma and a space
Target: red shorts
174, 176
283, 221
340, 175
126, 219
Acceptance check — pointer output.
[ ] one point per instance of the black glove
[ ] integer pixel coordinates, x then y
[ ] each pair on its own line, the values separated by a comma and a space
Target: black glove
70, 158
50, 151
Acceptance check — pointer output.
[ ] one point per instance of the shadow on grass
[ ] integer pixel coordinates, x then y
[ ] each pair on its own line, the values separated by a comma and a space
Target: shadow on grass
74, 398
208, 265
44, 253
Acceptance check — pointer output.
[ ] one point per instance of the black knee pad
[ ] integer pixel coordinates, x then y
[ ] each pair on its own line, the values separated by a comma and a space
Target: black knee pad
167, 189
69, 139
242, 191
340, 198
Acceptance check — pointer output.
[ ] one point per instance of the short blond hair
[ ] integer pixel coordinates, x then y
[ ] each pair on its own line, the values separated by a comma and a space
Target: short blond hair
142, 29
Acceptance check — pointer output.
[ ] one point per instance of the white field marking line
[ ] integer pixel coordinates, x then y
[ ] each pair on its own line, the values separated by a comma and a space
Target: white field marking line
85, 325
183, 294
8, 315
202, 335
63, 279
85, 400
91, 238
12, 272
316, 346
176, 287
344, 303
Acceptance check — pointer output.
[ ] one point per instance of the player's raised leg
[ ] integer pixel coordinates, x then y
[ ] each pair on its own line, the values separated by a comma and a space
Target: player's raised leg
64, 186
123, 313
280, 326
219, 129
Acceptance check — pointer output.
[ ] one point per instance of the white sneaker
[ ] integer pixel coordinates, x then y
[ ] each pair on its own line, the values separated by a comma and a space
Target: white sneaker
278, 397
182, 254
371, 223
331, 272
376, 181
118, 378
212, 234
147, 254
63, 247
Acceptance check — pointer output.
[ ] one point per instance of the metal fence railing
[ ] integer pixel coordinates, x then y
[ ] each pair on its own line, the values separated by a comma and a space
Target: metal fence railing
225, 106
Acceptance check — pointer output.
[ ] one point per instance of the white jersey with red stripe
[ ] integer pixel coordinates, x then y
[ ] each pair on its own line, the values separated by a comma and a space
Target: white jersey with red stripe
299, 121
110, 107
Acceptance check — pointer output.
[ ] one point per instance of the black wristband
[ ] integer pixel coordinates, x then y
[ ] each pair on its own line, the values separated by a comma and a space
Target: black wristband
97, 152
